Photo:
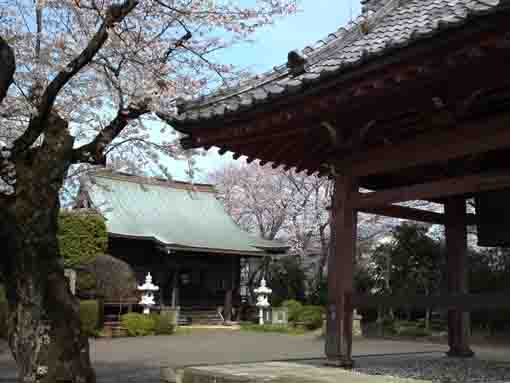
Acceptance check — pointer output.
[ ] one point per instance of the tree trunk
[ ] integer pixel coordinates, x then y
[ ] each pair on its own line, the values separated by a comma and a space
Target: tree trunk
44, 322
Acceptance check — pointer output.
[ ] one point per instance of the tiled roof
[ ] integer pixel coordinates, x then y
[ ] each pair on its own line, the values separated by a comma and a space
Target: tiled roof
177, 215
396, 24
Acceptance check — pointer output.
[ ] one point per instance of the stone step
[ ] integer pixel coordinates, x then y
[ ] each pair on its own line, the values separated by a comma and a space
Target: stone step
189, 316
272, 372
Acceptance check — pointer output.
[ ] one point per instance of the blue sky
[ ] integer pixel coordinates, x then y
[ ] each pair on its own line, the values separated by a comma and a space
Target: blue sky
315, 20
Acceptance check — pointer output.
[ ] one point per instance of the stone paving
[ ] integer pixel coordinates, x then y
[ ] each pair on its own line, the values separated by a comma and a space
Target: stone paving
130, 360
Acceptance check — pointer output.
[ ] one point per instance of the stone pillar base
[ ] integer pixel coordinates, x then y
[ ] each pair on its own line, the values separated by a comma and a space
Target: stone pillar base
340, 362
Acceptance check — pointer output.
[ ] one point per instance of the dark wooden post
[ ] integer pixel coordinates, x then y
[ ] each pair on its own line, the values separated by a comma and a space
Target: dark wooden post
456, 252
175, 288
227, 308
341, 275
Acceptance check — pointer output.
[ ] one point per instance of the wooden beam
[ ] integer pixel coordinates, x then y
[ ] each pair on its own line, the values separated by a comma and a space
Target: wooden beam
463, 302
473, 137
413, 214
403, 212
437, 189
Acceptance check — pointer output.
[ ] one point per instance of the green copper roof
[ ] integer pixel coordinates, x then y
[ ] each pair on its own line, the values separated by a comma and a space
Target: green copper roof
175, 214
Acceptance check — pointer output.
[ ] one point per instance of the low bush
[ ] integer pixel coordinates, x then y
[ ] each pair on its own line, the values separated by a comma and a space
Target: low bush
277, 328
164, 323
311, 317
414, 332
89, 317
138, 324
293, 307
410, 329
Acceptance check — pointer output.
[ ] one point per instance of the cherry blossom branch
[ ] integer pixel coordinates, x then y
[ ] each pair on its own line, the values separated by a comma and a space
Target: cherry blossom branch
93, 152
114, 15
8, 65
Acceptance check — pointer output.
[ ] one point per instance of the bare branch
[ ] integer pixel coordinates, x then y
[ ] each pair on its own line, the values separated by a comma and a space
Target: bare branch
179, 43
115, 14
93, 152
39, 14
8, 65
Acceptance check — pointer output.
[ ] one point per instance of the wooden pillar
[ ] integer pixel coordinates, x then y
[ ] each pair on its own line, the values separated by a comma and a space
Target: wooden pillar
457, 274
175, 288
227, 307
341, 275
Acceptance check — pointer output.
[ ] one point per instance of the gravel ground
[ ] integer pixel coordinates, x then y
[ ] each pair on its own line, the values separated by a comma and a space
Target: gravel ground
139, 360
438, 369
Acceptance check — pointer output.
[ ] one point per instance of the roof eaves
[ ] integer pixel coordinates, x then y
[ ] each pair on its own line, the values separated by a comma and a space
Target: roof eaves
218, 251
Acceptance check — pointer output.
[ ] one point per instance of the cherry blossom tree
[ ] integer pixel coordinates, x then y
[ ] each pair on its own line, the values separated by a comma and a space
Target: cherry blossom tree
79, 79
293, 207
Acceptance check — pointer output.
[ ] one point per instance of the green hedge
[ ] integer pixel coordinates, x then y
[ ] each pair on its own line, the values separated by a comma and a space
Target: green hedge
89, 316
294, 307
165, 323
277, 328
311, 317
138, 324
82, 236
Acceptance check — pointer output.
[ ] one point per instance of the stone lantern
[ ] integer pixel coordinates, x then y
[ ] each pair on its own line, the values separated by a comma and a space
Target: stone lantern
147, 290
262, 293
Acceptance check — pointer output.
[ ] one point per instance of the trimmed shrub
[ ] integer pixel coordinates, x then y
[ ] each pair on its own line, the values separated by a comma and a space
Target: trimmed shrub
311, 317
89, 317
108, 277
138, 324
293, 307
82, 236
164, 323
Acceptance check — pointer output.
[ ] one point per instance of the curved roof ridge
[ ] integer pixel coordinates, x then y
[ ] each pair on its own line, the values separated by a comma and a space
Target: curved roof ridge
343, 34
146, 180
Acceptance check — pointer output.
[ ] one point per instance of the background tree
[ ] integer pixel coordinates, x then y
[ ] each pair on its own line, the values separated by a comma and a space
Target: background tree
291, 206
410, 263
489, 272
287, 280
90, 77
